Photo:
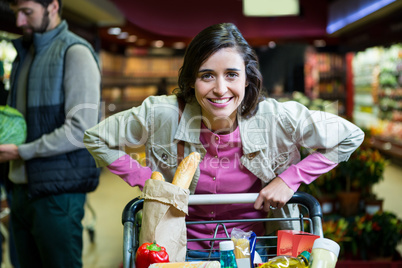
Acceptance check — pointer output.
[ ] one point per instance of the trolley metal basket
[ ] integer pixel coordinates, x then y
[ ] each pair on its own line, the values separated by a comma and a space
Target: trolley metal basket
310, 216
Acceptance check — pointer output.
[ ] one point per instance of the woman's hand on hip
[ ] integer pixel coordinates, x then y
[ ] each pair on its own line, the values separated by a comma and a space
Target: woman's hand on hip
275, 195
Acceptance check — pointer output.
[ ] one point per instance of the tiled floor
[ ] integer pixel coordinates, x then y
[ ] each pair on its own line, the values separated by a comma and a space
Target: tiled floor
113, 194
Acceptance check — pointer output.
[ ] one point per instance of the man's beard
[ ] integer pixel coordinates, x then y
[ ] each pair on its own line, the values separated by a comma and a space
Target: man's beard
28, 37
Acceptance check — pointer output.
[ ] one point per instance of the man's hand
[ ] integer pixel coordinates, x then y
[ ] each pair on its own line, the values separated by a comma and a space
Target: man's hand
9, 152
276, 194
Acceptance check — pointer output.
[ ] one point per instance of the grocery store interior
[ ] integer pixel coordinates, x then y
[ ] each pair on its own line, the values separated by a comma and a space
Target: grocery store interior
340, 56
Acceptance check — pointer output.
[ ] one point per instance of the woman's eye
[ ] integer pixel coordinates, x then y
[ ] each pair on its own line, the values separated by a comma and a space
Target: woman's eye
232, 75
206, 76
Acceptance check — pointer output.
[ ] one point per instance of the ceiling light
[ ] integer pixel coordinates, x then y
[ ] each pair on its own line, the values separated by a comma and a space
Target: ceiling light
114, 31
179, 45
345, 12
267, 8
122, 35
157, 43
320, 43
132, 38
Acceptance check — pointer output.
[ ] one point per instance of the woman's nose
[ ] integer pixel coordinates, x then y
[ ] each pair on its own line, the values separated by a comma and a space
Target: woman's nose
220, 87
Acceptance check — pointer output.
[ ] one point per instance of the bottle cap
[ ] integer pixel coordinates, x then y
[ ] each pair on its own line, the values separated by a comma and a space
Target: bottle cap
327, 244
226, 245
306, 254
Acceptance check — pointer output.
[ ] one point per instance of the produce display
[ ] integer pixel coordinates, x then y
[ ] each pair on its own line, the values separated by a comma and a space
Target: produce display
378, 88
13, 129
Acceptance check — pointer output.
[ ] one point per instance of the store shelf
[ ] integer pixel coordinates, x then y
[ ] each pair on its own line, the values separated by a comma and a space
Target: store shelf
387, 146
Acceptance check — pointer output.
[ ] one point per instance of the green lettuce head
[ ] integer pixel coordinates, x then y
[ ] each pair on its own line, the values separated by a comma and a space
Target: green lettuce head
13, 128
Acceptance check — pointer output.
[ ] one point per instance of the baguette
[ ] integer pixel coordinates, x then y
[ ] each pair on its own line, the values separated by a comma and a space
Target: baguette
156, 175
186, 169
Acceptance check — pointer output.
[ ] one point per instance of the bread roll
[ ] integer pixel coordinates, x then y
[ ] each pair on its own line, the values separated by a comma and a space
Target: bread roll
156, 175
186, 169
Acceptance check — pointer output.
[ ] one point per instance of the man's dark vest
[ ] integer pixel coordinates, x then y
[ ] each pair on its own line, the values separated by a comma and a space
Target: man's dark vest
73, 172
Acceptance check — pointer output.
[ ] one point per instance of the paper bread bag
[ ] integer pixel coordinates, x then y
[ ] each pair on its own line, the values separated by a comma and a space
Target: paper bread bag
163, 221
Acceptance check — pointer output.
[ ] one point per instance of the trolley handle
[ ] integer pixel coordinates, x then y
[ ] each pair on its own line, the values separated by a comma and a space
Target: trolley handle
301, 198
131, 209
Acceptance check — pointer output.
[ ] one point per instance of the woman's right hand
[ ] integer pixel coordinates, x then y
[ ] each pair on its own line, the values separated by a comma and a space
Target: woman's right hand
275, 195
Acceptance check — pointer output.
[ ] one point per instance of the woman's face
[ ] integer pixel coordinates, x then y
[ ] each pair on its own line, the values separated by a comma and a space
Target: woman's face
220, 86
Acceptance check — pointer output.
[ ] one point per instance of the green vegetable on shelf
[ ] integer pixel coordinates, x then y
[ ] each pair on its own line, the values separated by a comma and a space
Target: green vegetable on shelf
388, 79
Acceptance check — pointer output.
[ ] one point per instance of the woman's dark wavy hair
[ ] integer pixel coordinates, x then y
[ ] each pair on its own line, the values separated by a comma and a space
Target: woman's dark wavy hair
209, 41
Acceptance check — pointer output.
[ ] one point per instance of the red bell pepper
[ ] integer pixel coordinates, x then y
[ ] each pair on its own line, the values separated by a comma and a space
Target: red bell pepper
149, 253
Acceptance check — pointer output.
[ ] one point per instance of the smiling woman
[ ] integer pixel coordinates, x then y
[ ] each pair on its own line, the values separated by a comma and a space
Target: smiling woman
248, 144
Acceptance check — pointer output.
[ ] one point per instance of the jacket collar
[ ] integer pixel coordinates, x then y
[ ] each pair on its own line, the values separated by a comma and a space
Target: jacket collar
253, 132
189, 128
41, 40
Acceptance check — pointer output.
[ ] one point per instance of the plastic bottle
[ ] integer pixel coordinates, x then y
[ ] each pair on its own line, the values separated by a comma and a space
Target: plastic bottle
300, 261
324, 253
228, 259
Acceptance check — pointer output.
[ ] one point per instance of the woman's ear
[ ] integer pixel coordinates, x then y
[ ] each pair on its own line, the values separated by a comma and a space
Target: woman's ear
246, 83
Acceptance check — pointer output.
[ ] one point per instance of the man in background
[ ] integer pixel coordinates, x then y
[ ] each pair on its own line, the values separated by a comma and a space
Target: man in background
55, 84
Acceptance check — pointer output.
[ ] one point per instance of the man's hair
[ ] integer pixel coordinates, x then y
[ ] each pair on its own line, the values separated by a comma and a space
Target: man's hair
44, 3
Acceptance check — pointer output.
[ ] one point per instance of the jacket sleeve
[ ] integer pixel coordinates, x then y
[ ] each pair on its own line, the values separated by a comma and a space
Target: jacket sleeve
107, 141
131, 129
329, 134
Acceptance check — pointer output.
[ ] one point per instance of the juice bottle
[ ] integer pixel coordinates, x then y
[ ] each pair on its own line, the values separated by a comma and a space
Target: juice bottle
300, 261
324, 253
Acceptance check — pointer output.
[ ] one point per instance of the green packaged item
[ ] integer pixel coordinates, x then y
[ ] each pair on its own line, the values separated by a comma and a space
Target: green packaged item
13, 128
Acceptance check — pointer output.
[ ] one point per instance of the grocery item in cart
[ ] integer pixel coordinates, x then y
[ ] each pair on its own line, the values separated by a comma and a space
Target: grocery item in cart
227, 256
325, 253
193, 264
294, 242
165, 208
149, 253
301, 261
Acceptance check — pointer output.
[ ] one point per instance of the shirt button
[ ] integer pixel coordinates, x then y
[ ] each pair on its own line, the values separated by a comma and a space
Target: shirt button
212, 212
214, 178
251, 156
216, 138
164, 156
216, 156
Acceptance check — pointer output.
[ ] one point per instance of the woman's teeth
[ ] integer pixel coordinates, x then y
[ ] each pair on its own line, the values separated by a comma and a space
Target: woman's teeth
220, 100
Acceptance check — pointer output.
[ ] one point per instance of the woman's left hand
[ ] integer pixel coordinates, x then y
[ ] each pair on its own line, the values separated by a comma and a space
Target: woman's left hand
275, 195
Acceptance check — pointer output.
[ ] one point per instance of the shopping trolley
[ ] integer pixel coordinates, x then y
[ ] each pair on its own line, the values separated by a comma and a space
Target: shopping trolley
310, 217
